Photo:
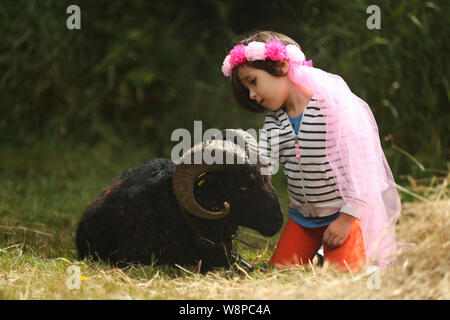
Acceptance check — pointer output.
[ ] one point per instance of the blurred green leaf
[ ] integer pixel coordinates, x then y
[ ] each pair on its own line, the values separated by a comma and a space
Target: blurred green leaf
137, 70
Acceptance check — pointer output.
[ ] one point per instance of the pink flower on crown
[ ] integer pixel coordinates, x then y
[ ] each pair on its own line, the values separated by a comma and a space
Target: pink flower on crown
276, 50
237, 55
227, 67
255, 51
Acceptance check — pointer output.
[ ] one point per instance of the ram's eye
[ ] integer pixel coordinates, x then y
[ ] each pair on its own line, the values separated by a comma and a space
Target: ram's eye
244, 188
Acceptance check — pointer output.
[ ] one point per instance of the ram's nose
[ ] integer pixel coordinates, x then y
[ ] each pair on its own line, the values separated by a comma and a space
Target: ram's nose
273, 226
277, 224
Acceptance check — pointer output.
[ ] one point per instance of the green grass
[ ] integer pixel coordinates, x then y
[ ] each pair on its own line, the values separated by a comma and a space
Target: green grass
45, 188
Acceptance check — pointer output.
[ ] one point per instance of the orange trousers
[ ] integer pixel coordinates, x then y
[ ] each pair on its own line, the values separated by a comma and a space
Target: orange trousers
298, 245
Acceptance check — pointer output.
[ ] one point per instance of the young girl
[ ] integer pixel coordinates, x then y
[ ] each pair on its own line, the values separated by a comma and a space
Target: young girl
341, 190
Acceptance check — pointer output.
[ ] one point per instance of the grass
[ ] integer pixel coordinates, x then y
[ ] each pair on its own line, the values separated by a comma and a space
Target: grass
45, 188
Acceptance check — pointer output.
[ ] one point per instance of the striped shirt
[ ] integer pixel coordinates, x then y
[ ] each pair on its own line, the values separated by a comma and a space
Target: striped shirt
311, 187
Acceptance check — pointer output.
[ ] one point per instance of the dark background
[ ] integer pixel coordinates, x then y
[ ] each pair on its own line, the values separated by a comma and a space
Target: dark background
137, 70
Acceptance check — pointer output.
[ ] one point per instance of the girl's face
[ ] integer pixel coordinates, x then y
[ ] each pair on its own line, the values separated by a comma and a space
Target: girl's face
269, 91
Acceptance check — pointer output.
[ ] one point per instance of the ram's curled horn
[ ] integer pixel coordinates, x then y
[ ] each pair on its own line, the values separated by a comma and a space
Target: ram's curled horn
187, 171
253, 153
244, 140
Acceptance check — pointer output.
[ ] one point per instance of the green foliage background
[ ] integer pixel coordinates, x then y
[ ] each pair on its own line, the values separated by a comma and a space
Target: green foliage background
139, 69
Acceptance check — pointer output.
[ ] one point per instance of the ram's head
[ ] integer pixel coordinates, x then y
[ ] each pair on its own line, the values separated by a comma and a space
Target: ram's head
233, 188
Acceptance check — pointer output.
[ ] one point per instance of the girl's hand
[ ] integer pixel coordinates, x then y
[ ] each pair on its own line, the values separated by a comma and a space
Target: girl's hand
337, 232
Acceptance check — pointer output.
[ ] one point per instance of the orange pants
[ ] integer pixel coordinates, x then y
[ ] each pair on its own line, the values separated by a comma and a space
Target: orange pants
298, 245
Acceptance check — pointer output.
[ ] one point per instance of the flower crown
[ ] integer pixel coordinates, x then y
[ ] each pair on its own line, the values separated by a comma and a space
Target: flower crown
274, 50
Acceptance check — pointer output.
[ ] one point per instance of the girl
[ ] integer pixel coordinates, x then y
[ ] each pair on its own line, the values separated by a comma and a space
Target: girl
341, 190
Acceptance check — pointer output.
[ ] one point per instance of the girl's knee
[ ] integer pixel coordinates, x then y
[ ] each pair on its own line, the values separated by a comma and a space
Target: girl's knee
351, 255
297, 245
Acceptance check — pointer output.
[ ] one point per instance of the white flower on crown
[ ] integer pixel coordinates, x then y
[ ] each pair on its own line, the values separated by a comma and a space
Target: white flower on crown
226, 67
255, 51
294, 53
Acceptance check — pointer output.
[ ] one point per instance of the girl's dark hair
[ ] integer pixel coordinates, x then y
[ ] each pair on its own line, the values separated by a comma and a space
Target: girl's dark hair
240, 92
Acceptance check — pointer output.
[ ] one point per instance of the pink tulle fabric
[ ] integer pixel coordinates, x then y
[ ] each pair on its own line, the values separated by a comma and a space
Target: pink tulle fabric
357, 160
